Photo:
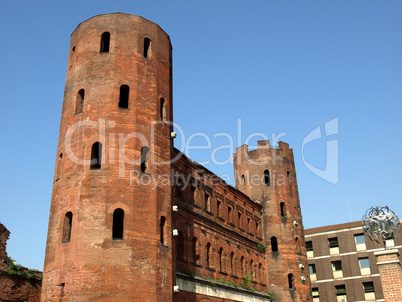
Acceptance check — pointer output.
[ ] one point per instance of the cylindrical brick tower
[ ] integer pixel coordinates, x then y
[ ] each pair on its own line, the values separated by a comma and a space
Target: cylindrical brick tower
267, 175
109, 236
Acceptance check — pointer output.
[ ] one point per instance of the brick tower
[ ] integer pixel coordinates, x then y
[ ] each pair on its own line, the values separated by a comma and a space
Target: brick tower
110, 218
267, 176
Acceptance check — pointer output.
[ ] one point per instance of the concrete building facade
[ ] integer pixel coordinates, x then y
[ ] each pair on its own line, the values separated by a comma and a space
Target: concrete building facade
132, 218
343, 265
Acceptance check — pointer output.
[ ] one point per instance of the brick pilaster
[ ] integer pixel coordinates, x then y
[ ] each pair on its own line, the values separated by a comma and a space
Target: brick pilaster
390, 273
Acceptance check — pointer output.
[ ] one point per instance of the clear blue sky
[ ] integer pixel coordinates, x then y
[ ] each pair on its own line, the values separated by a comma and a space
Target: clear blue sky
281, 66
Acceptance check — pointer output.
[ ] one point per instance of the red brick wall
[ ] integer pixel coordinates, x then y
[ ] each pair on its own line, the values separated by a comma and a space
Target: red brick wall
391, 275
14, 288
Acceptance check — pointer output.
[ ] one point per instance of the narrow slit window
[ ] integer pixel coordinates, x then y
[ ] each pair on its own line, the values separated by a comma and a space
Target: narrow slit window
207, 202
208, 255
118, 224
195, 255
124, 96
59, 166
283, 211
79, 103
67, 224
96, 156
221, 259
180, 246
274, 244
162, 109
162, 230
232, 263
147, 48
105, 42
144, 159
267, 178
242, 268
290, 281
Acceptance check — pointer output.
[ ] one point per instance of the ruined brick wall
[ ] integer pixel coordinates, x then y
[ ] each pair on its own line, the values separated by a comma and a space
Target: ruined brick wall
4, 235
18, 288
267, 175
108, 203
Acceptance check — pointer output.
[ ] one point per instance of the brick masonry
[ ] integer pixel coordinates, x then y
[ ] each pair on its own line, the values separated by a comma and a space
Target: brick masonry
391, 274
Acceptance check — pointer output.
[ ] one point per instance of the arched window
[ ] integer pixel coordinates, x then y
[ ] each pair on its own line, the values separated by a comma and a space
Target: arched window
67, 223
208, 254
290, 281
162, 230
147, 48
105, 42
274, 244
118, 223
124, 96
162, 109
260, 273
194, 248
252, 269
79, 103
180, 246
96, 156
144, 159
207, 201
232, 263
242, 268
221, 259
267, 178
283, 210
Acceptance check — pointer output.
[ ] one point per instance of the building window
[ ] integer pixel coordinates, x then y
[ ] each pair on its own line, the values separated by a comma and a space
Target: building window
59, 166
369, 293
242, 266
105, 42
274, 244
124, 96
192, 196
162, 109
309, 247
267, 178
194, 248
364, 264
333, 246
230, 218
360, 241
283, 211
232, 272
252, 271
67, 224
340, 291
180, 246
144, 159
260, 273
315, 294
118, 223
163, 230
248, 224
290, 281
147, 48
218, 207
221, 259
239, 219
337, 269
208, 254
79, 102
207, 202
311, 268
96, 156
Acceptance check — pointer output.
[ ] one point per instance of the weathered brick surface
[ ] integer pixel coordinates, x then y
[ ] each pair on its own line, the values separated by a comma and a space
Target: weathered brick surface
17, 288
4, 235
391, 275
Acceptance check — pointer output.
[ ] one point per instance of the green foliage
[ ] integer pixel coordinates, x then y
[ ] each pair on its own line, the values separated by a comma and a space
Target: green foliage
246, 281
188, 273
270, 295
261, 247
18, 270
284, 217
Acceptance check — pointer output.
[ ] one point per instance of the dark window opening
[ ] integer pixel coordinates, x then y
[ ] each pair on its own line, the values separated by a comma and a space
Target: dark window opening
232, 263
105, 42
309, 246
242, 268
162, 109
290, 281
260, 274
118, 222
79, 103
311, 269
124, 96
274, 244
230, 214
243, 179
208, 254
192, 196
147, 48
144, 159
368, 287
283, 212
218, 207
333, 242
67, 223
248, 224
221, 260
195, 255
340, 290
239, 219
267, 178
96, 156
180, 246
207, 202
162, 230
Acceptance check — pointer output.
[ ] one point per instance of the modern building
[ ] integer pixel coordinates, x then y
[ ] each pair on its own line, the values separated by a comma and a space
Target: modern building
342, 263
132, 218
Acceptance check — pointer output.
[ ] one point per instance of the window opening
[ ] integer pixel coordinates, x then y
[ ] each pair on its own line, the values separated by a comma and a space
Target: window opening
96, 156
118, 222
